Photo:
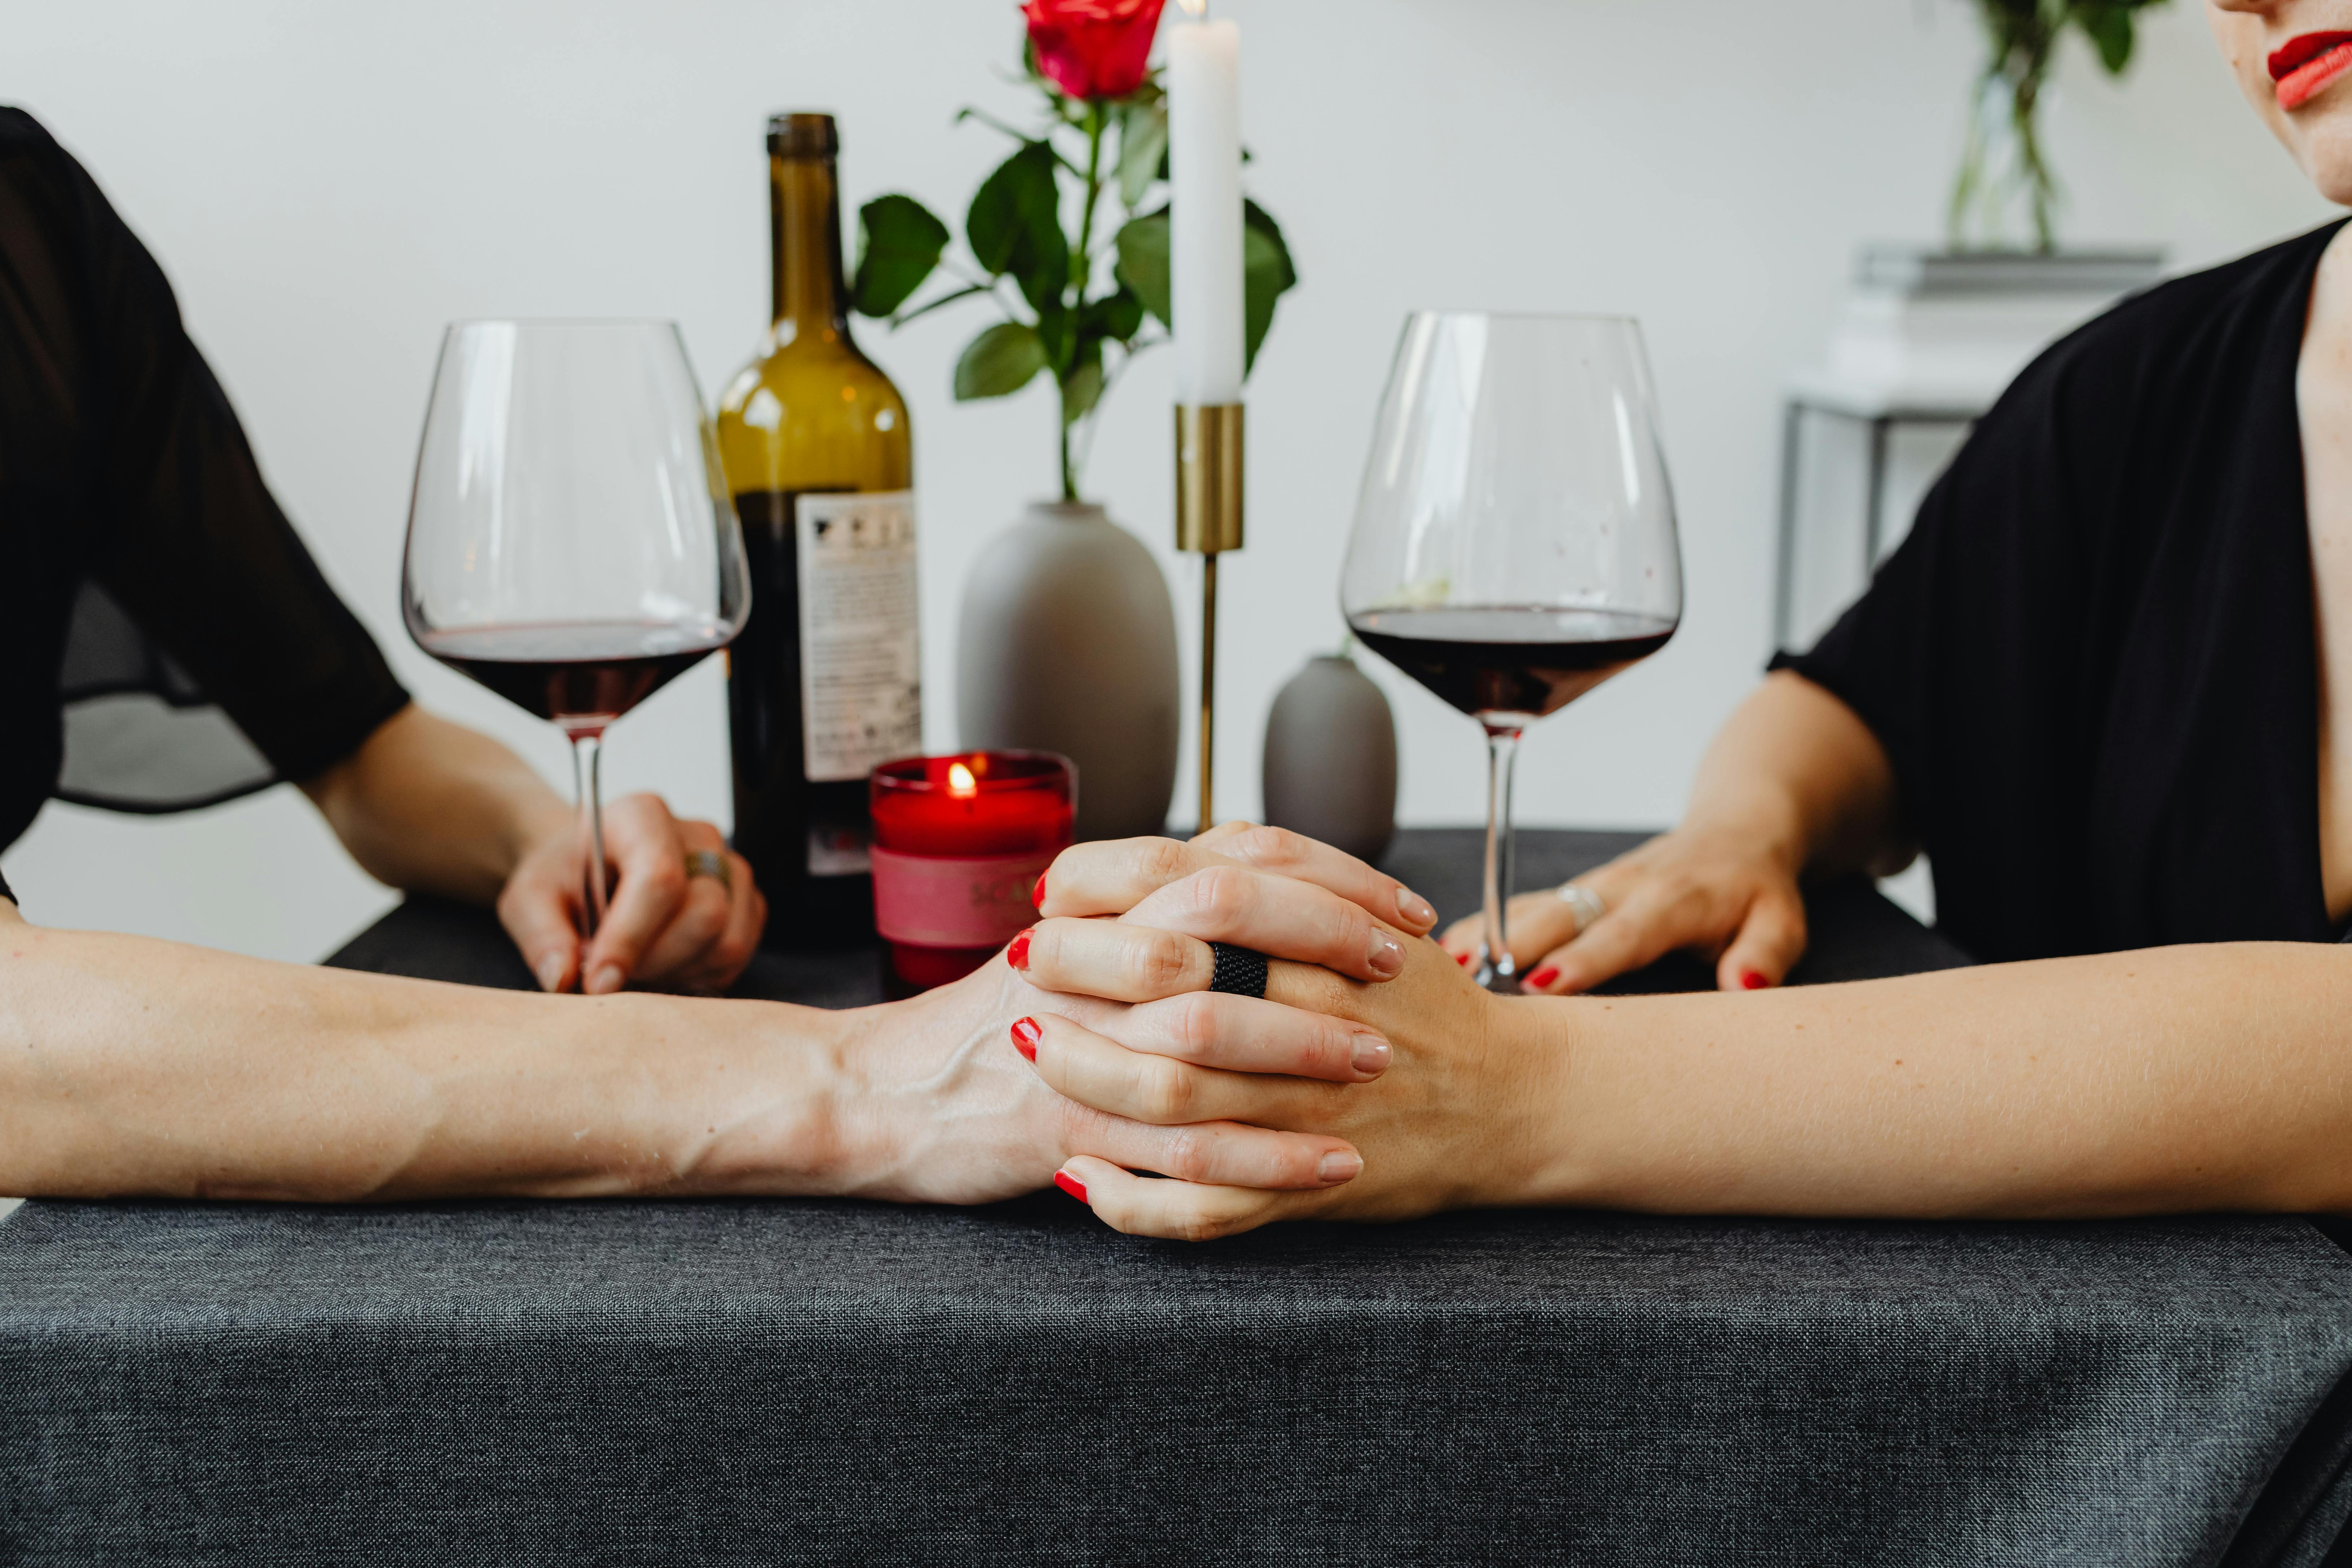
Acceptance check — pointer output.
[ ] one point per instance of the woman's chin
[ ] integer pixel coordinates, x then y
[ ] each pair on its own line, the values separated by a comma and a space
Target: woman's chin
2322, 140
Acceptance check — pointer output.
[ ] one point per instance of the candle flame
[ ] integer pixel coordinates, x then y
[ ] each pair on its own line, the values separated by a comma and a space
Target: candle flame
959, 779
1194, 7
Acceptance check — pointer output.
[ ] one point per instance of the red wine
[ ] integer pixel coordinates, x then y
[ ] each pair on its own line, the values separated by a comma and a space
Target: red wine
584, 675
1510, 662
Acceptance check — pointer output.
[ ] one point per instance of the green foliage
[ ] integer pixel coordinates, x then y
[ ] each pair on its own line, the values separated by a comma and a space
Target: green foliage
2023, 36
1082, 298
899, 244
1000, 361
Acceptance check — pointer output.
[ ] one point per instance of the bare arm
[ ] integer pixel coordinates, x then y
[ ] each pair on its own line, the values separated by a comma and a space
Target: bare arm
1795, 786
2179, 1078
128, 1065
433, 807
132, 1067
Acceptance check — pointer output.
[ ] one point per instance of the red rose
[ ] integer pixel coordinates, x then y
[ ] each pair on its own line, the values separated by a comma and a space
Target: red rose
1093, 49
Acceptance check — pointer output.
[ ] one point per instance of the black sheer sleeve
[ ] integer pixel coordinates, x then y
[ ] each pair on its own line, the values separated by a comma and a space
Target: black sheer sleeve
190, 542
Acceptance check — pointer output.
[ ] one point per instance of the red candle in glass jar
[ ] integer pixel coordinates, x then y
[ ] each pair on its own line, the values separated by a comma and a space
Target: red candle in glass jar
958, 843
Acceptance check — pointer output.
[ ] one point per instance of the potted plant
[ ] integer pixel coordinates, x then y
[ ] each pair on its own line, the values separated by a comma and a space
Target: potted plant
1066, 639
2003, 167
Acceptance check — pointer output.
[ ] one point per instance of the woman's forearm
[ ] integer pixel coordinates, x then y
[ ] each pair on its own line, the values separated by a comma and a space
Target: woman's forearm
2172, 1078
133, 1067
433, 807
1796, 770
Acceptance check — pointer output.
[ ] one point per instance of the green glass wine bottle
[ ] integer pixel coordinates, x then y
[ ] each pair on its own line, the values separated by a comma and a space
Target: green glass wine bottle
824, 681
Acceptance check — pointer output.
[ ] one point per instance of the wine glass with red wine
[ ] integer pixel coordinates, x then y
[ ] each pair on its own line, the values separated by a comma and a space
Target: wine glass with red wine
570, 542
1514, 544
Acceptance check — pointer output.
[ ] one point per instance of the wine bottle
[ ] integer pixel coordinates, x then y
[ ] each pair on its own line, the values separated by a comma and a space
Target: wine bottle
824, 681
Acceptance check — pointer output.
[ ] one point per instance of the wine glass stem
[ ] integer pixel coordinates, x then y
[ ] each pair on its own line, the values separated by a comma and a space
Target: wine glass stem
587, 755
1499, 973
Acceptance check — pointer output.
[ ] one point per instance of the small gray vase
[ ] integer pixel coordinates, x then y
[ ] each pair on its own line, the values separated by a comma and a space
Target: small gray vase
1331, 758
1067, 643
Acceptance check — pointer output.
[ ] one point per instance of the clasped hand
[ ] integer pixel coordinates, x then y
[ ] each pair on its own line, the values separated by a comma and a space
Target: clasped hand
1369, 1036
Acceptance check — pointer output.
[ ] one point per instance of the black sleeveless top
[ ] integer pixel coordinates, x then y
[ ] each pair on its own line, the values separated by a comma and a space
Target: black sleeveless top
2093, 663
146, 576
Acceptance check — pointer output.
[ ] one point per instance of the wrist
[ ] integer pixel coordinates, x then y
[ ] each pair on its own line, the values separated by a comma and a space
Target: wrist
1549, 1162
1763, 821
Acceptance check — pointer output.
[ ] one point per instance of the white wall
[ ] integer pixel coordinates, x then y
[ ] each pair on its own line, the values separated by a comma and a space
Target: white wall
328, 185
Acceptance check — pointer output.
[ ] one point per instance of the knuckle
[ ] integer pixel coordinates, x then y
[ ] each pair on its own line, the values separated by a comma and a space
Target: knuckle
1262, 845
1186, 1156
1201, 1225
1162, 962
1193, 1023
1160, 860
1164, 1090
1218, 893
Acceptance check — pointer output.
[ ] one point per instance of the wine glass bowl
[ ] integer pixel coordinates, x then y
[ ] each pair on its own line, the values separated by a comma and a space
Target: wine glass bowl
1514, 543
571, 543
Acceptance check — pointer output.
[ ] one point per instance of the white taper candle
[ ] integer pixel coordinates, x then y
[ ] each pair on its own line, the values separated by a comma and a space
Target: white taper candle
1204, 168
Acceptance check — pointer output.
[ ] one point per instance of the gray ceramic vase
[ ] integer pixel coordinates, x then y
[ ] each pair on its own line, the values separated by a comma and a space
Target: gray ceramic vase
1331, 758
1067, 643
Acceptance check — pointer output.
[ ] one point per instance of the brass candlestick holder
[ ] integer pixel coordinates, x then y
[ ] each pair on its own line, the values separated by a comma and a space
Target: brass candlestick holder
1209, 520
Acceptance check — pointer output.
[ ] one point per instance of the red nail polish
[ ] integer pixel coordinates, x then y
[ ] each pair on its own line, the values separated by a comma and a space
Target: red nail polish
1025, 1035
1463, 959
1543, 977
1070, 1184
1017, 955
1037, 894
1753, 980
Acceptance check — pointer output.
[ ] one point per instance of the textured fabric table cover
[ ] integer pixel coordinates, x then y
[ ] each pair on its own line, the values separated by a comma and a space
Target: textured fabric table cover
748, 1383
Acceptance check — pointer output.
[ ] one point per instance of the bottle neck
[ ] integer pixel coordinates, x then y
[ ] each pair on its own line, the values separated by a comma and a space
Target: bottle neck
804, 230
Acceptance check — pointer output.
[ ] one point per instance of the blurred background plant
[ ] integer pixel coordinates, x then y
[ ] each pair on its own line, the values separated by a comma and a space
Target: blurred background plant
2003, 173
1078, 301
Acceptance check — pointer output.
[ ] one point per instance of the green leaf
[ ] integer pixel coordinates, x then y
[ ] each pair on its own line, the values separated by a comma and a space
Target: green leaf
1057, 331
1015, 224
2109, 27
1000, 361
1082, 389
1118, 316
1142, 144
1143, 262
898, 243
1266, 275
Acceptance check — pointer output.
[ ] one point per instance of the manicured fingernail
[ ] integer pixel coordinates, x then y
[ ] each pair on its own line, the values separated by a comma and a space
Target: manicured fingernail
1753, 980
1037, 894
606, 980
1070, 1184
1463, 959
551, 971
1371, 1055
1341, 1165
1416, 909
1387, 955
1025, 1035
1017, 955
1543, 977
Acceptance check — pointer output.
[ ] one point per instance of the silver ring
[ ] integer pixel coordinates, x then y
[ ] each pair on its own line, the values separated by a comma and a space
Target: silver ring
710, 863
1583, 902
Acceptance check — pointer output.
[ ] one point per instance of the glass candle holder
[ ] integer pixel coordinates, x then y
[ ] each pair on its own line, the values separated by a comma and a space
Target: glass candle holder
958, 843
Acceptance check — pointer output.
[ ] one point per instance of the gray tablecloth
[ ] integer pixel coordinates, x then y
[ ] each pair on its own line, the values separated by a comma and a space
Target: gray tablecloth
836, 1382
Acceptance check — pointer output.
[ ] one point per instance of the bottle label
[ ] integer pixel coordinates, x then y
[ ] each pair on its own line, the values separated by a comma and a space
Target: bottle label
926, 900
861, 669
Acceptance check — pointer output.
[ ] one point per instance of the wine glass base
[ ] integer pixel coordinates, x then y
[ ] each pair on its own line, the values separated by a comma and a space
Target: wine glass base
1497, 981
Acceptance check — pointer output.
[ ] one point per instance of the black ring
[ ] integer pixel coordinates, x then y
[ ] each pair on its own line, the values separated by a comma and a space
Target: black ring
1238, 971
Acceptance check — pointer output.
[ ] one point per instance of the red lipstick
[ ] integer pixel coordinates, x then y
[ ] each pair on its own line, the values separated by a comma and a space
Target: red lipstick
2303, 66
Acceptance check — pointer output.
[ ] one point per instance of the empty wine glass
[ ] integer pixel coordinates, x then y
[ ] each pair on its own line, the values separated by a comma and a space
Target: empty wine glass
1514, 544
570, 542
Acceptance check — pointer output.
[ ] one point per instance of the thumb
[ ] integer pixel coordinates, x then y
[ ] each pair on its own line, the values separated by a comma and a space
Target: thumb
1771, 941
537, 912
